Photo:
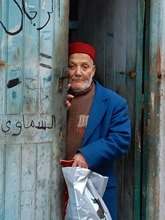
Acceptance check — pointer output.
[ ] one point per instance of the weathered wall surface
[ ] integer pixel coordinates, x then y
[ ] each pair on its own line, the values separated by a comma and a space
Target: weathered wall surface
33, 57
162, 115
156, 113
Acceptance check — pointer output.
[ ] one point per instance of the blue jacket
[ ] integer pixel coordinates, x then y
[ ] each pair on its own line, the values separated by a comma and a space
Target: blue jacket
108, 132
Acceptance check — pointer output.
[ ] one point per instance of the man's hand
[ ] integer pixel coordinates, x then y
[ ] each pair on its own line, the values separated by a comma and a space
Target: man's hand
68, 101
79, 161
69, 98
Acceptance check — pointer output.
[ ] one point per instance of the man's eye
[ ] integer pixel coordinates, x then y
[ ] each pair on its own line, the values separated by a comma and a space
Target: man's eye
85, 67
71, 66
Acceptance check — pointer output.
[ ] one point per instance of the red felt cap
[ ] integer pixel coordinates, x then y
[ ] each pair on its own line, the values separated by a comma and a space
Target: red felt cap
81, 47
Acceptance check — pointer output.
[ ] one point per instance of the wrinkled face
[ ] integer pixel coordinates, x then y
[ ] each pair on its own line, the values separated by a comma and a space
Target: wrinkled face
81, 71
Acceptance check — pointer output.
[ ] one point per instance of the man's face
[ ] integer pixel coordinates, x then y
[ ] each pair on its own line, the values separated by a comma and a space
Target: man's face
81, 71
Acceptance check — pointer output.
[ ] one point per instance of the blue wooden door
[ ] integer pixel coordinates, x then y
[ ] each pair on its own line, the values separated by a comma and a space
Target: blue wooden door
115, 28
33, 59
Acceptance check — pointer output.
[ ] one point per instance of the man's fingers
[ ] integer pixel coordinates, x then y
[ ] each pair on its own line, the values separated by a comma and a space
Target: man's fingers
70, 97
68, 86
68, 101
74, 164
79, 164
68, 104
80, 161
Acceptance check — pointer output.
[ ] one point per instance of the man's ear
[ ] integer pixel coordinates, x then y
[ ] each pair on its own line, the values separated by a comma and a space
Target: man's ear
94, 70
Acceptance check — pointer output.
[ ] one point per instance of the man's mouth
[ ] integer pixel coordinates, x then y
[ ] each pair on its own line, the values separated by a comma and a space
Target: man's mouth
77, 80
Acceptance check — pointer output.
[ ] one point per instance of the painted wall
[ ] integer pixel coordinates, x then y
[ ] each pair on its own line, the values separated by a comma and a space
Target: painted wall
34, 39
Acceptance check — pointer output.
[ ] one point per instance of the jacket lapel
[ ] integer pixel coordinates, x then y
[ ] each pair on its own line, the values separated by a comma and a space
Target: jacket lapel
97, 112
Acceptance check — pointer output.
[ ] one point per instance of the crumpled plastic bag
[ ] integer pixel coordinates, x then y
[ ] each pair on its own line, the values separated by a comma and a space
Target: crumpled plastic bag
85, 189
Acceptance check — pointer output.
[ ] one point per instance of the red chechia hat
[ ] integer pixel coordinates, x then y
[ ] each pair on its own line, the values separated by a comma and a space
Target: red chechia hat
81, 47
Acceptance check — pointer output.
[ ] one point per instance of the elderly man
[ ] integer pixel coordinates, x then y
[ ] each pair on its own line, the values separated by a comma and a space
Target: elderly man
98, 129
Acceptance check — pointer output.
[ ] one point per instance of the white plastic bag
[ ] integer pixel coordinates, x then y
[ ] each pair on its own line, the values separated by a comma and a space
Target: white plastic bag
85, 189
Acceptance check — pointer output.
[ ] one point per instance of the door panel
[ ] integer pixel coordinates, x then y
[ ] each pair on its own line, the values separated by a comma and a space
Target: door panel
33, 57
114, 28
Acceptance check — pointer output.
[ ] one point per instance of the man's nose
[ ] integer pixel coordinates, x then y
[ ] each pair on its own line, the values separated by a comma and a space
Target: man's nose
78, 70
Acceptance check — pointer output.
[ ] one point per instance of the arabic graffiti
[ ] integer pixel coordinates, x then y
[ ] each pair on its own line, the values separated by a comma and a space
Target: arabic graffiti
16, 127
47, 57
31, 15
12, 83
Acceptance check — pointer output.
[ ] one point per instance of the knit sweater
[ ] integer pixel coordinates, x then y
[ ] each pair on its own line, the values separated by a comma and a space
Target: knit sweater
78, 115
